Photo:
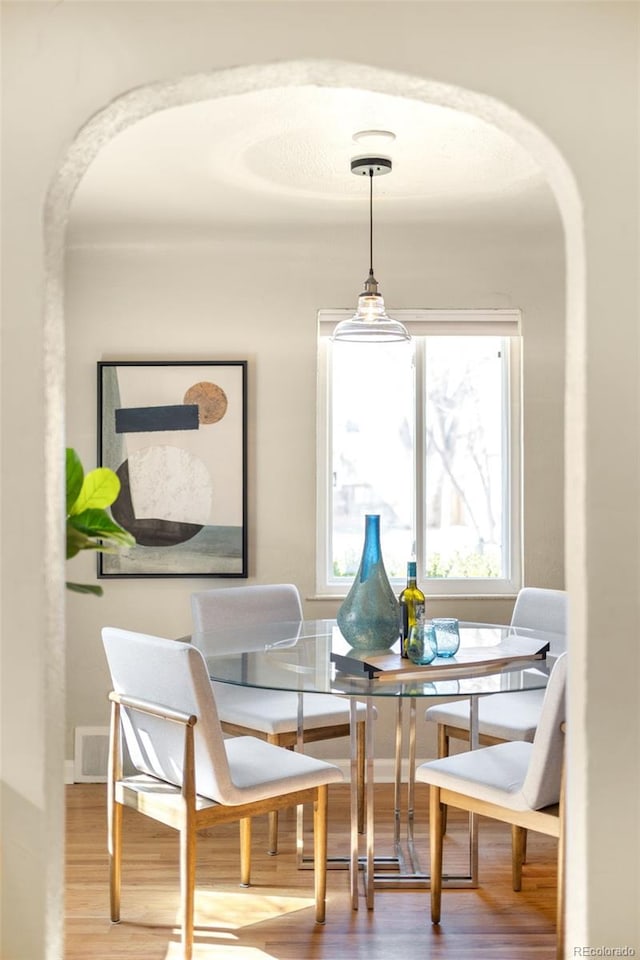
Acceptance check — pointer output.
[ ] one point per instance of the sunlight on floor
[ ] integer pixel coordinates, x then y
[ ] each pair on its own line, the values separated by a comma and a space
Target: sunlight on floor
238, 912
205, 951
214, 934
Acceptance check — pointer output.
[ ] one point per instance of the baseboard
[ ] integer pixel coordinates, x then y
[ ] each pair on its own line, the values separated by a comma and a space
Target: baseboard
89, 765
383, 769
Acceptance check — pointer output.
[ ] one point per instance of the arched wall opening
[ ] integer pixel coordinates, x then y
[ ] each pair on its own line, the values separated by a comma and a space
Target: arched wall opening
145, 101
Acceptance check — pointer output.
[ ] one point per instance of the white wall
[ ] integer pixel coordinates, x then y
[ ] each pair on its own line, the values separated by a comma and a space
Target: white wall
569, 68
256, 297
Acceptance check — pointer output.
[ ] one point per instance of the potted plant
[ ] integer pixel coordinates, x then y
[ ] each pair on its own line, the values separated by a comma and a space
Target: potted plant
89, 526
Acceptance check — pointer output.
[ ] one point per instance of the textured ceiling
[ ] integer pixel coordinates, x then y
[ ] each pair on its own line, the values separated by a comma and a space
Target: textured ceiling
281, 156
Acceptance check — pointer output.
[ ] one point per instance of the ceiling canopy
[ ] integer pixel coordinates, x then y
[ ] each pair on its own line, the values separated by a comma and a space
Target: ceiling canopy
282, 157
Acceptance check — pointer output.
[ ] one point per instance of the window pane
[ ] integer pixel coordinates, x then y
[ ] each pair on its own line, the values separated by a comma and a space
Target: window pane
464, 468
373, 402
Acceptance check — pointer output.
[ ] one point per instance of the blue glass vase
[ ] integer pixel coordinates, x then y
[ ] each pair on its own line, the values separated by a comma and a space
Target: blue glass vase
369, 616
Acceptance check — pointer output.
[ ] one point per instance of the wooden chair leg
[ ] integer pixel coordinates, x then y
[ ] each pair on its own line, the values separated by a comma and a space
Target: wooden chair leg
443, 751
114, 816
114, 813
272, 848
187, 885
436, 837
360, 760
562, 853
518, 846
560, 902
443, 741
272, 816
320, 852
245, 852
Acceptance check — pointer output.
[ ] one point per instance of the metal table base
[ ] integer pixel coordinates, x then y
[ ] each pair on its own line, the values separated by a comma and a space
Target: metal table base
402, 868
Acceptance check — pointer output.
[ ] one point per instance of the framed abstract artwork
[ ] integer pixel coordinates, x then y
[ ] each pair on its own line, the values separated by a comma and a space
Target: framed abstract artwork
176, 435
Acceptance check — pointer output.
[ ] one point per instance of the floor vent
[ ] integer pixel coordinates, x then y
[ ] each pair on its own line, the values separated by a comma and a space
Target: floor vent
91, 755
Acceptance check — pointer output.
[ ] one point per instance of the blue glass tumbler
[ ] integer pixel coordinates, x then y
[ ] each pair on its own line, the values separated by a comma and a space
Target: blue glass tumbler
421, 648
447, 636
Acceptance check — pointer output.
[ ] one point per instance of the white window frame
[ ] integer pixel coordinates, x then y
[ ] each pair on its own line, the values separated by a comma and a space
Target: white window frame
504, 323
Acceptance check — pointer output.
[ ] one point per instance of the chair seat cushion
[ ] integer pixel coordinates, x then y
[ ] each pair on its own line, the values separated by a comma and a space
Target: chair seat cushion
495, 774
276, 711
259, 770
507, 716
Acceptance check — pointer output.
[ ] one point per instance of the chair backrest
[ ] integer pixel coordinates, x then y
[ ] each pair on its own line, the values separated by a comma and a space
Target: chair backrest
539, 609
245, 606
541, 786
172, 674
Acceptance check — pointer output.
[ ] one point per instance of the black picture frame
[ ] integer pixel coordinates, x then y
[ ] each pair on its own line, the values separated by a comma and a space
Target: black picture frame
175, 432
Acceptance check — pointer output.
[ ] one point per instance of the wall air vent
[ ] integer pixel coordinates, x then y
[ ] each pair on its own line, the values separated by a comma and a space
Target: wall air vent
91, 755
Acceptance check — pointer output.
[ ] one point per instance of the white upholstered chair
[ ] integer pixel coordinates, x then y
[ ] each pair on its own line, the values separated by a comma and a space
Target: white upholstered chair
518, 782
188, 776
506, 716
272, 714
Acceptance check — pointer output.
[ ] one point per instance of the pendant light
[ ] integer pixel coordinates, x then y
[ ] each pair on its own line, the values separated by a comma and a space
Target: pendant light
370, 323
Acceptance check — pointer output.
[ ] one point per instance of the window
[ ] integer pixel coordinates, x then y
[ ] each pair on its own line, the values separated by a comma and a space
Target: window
427, 434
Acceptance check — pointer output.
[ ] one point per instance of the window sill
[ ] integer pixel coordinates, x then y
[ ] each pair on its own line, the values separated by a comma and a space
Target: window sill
432, 596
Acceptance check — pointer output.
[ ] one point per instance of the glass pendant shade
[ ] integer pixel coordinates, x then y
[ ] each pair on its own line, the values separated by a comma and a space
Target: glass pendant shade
370, 323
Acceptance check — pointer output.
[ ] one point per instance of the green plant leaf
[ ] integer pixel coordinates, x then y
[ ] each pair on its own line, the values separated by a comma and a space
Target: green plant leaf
85, 588
75, 477
77, 541
99, 489
98, 523
89, 526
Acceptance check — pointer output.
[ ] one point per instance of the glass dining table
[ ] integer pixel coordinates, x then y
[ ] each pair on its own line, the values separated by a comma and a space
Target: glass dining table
300, 657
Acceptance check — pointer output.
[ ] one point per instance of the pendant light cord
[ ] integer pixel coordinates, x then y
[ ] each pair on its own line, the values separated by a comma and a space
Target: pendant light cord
370, 221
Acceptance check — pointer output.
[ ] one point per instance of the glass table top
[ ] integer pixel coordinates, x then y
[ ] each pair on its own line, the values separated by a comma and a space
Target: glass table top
296, 656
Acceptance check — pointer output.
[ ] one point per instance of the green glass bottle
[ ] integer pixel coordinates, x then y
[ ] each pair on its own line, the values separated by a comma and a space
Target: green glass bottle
412, 606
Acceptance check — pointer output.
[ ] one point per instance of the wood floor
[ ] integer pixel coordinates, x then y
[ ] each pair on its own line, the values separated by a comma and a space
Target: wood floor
273, 919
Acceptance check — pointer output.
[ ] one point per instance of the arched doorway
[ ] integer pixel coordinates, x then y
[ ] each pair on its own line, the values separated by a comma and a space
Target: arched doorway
143, 102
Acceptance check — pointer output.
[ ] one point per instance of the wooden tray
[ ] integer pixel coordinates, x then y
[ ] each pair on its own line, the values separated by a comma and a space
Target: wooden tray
469, 661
